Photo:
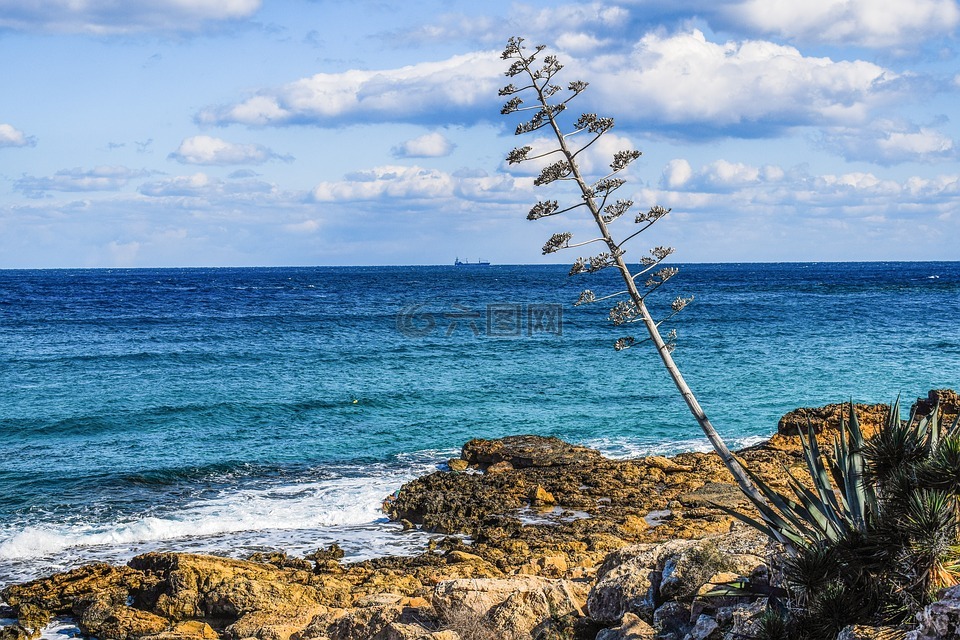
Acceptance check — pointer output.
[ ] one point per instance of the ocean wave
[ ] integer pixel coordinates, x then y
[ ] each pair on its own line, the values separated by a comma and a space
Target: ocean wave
342, 501
625, 448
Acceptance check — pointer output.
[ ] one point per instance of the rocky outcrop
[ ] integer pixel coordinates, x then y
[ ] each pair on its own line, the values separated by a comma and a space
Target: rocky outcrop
563, 543
940, 619
524, 452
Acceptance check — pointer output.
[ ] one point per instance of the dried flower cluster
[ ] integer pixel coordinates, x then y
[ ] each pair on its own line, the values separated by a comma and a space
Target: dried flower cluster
680, 303
596, 263
623, 312
657, 278
586, 297
613, 211
543, 209
556, 242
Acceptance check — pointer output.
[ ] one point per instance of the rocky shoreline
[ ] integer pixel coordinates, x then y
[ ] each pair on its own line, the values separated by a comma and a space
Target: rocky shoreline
544, 539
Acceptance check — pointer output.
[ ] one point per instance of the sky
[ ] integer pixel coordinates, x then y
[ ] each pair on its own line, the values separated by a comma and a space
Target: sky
174, 133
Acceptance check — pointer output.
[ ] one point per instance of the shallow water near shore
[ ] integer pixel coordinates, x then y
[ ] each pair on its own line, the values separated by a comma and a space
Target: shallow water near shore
237, 410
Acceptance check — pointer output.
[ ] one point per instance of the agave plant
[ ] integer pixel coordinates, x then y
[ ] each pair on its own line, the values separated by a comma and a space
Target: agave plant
823, 513
874, 533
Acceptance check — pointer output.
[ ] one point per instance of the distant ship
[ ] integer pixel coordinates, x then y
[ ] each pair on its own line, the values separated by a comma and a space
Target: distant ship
478, 263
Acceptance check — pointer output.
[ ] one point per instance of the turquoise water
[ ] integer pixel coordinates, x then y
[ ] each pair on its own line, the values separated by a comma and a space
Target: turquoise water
230, 410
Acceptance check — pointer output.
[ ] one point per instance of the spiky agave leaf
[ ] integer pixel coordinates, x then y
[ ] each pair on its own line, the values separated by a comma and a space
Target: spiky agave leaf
931, 525
942, 469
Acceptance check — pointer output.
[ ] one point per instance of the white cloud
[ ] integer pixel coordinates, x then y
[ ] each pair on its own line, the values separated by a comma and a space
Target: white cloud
723, 185
869, 23
103, 178
578, 42
129, 16
428, 91
192, 185
887, 142
676, 174
207, 150
304, 227
681, 84
11, 137
201, 185
749, 86
429, 145
387, 182
572, 27
569, 17
416, 184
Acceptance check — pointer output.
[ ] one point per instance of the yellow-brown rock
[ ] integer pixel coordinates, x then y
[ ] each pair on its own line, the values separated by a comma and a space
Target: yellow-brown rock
539, 496
281, 623
457, 464
195, 586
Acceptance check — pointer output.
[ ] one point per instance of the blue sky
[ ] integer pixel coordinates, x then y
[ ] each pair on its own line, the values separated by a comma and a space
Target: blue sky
312, 132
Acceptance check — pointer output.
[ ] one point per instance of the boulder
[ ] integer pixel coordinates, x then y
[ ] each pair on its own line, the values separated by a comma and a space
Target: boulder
401, 631
705, 628
121, 622
631, 628
539, 496
826, 420
281, 623
672, 619
639, 578
525, 451
940, 619
517, 605
58, 593
949, 402
188, 586
187, 630
624, 585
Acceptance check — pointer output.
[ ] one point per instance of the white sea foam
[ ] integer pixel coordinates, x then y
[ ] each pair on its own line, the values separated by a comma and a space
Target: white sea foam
297, 518
624, 448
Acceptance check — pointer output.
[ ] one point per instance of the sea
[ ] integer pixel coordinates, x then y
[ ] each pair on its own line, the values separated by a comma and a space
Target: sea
235, 410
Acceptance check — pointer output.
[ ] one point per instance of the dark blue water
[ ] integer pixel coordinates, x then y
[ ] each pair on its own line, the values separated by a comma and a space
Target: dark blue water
226, 409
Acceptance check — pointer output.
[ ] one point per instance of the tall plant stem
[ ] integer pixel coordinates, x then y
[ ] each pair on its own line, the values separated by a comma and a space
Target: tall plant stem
731, 463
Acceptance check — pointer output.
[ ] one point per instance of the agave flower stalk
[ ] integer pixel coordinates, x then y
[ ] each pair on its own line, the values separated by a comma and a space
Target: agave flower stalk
537, 77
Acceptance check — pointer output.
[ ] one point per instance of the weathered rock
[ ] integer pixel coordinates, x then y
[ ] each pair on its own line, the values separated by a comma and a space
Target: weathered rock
631, 628
187, 630
32, 619
17, 632
192, 586
281, 623
705, 628
516, 605
457, 464
525, 451
58, 593
624, 584
639, 578
401, 631
745, 620
672, 618
539, 496
123, 623
948, 400
666, 465
363, 623
827, 419
687, 566
940, 619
